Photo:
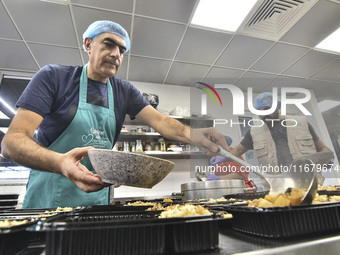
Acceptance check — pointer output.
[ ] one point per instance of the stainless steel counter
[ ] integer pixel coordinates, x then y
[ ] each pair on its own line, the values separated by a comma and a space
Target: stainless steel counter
233, 242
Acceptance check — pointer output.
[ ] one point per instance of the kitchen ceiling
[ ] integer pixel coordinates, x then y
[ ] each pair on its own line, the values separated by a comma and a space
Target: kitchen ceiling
167, 49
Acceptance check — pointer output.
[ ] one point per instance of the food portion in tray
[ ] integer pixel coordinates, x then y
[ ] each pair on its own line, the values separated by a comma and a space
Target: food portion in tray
185, 210
140, 203
292, 196
14, 218
156, 207
325, 199
51, 212
328, 188
218, 201
9, 223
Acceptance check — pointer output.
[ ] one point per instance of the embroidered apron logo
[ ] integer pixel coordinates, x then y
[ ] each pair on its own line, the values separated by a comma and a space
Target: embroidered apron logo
95, 138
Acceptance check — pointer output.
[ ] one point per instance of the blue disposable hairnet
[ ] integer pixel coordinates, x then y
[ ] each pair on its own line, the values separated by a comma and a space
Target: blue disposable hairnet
106, 26
266, 100
228, 139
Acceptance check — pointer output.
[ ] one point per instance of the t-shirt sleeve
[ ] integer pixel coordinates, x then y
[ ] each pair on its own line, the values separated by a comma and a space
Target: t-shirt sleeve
38, 95
247, 141
136, 103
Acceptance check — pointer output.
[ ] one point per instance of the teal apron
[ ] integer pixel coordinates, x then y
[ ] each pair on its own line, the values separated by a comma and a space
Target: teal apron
92, 126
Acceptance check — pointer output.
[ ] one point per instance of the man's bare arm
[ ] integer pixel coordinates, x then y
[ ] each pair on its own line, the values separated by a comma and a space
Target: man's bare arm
205, 139
19, 146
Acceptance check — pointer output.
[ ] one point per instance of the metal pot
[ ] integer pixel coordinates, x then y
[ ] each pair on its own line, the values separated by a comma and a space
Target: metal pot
213, 189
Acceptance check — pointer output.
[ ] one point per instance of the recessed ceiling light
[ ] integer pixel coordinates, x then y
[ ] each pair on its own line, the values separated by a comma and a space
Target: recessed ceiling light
325, 105
7, 106
3, 130
17, 77
3, 116
331, 43
222, 14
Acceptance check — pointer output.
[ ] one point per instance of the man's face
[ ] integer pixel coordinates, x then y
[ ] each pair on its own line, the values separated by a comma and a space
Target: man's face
106, 53
274, 115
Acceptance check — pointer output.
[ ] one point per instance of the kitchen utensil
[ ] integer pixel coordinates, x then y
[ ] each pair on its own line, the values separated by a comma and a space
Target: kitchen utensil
303, 174
230, 156
127, 168
200, 176
213, 189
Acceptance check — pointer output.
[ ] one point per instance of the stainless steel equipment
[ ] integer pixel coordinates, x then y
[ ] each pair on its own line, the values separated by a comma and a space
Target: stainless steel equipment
213, 189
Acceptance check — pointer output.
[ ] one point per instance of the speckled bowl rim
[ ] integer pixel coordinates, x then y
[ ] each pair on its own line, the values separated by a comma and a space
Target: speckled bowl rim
134, 153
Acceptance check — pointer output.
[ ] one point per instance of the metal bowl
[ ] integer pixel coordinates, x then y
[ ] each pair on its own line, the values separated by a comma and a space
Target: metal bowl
302, 174
130, 169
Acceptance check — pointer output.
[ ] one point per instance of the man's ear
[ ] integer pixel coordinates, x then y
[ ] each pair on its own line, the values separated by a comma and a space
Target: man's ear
87, 44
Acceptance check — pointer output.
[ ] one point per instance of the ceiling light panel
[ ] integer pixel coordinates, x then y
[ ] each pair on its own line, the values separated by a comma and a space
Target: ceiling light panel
221, 14
331, 43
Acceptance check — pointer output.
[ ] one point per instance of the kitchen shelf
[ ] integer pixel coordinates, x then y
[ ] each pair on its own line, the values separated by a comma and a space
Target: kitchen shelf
175, 155
133, 136
194, 122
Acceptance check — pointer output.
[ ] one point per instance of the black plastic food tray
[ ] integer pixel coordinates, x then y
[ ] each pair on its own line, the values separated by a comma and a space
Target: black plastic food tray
127, 233
14, 239
329, 193
158, 200
109, 208
246, 196
277, 222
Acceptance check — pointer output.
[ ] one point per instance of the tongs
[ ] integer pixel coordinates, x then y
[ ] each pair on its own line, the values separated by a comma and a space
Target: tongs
248, 166
301, 175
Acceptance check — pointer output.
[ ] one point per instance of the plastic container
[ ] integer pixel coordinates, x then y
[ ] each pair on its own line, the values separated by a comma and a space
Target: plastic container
247, 196
275, 222
139, 146
14, 239
134, 232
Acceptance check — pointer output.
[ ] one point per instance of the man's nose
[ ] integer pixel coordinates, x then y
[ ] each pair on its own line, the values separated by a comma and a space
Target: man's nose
115, 51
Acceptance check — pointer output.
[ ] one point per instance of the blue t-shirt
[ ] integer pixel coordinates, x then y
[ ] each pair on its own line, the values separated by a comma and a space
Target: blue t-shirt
53, 93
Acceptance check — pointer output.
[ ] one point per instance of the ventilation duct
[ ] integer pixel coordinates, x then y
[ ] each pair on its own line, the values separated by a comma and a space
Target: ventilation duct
271, 19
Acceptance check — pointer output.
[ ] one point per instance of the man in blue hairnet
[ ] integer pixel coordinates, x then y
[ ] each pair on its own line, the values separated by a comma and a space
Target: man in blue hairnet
275, 144
75, 108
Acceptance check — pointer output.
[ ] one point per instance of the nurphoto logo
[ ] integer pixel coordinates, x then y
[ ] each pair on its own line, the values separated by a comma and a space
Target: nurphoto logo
238, 99
239, 102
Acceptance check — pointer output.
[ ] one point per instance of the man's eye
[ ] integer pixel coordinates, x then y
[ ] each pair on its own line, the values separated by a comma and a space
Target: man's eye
122, 51
109, 45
